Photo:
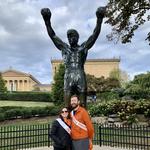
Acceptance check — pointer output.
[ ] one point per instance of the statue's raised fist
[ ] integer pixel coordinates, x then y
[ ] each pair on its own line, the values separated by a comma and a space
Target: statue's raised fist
46, 13
100, 13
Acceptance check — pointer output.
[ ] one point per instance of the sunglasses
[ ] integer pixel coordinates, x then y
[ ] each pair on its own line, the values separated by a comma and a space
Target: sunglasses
64, 111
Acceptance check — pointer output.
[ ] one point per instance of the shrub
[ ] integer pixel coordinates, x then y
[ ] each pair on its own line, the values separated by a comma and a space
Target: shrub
27, 96
131, 119
43, 112
126, 110
11, 114
100, 109
35, 111
2, 116
142, 106
53, 110
26, 113
7, 113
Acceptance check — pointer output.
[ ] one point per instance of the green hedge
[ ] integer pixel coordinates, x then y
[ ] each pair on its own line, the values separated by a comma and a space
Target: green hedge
122, 108
27, 96
7, 113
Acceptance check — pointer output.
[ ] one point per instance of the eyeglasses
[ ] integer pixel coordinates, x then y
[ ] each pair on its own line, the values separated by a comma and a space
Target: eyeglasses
64, 111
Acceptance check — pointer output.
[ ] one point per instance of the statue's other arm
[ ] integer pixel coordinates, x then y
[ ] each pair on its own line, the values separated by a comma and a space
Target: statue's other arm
56, 40
91, 40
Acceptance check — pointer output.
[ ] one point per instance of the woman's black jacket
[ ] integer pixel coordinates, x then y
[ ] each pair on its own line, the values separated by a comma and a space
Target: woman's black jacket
59, 135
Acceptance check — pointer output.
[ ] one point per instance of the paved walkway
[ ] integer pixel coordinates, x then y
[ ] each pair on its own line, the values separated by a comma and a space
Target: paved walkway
95, 147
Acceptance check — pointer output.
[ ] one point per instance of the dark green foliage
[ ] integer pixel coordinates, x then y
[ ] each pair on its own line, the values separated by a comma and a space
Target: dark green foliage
139, 87
125, 17
101, 84
58, 86
3, 89
107, 96
2, 116
100, 110
27, 96
7, 113
126, 110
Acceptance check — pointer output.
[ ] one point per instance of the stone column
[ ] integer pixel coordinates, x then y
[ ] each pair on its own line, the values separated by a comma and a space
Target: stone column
29, 85
14, 86
9, 85
22, 85
18, 83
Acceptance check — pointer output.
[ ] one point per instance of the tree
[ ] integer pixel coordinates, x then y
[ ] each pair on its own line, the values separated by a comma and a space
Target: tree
58, 85
139, 87
101, 84
126, 16
3, 88
116, 74
111, 83
121, 76
91, 81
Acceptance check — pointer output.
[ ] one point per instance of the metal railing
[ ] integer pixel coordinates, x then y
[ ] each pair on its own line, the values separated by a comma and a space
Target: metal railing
133, 137
25, 136
30, 136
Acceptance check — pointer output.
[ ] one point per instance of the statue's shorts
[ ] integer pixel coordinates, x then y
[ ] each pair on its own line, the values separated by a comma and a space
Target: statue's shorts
75, 79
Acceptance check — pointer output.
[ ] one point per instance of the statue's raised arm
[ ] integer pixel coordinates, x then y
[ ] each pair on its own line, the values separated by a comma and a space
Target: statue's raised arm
46, 13
100, 13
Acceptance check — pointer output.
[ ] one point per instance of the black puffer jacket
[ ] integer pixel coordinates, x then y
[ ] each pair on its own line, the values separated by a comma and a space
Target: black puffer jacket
60, 136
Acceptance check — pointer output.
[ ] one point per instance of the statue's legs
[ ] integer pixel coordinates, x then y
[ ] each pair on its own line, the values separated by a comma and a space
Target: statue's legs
67, 96
82, 88
82, 98
75, 83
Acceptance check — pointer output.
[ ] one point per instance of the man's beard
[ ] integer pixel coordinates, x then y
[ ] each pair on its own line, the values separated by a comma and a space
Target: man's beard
74, 106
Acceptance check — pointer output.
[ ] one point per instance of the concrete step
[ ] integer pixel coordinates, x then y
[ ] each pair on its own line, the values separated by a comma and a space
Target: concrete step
95, 147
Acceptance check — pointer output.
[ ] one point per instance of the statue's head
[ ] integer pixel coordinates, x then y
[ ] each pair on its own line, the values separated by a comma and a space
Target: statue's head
73, 37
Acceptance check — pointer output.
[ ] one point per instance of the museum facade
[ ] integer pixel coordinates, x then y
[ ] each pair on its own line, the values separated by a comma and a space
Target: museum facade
20, 81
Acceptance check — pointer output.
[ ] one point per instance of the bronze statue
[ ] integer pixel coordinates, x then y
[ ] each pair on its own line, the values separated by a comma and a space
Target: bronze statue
74, 55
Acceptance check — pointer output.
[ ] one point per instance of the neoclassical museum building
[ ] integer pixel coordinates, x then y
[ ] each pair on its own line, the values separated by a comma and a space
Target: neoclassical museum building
20, 81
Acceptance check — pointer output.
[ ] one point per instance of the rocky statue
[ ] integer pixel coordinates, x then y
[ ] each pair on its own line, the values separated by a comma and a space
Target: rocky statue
74, 55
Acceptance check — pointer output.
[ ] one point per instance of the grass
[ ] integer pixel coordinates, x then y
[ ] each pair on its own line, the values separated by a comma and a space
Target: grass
24, 103
29, 121
33, 120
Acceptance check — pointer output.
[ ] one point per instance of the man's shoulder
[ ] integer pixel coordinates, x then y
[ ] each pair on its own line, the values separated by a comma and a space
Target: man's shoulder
82, 109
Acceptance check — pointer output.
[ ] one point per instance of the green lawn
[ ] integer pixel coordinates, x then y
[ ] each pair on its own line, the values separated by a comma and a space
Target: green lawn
29, 121
24, 103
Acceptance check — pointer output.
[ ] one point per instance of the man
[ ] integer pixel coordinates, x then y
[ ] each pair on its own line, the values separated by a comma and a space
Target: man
82, 130
74, 55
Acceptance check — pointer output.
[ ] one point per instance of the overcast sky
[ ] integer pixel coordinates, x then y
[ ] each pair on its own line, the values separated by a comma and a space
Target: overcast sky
26, 47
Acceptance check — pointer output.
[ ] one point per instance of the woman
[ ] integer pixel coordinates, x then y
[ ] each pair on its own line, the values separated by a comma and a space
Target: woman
60, 132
